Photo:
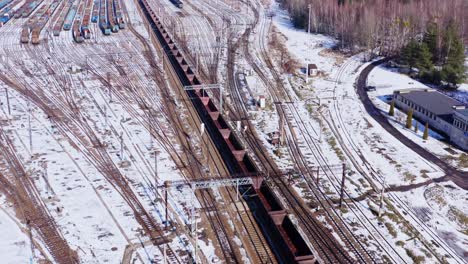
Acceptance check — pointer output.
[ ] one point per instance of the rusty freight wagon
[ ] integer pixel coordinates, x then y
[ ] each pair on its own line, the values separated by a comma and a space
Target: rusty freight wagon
85, 31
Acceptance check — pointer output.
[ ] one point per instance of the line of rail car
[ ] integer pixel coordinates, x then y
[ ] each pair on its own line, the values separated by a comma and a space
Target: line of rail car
41, 19
59, 23
67, 24
76, 28
95, 15
4, 3
25, 33
28, 26
58, 16
119, 19
9, 11
110, 16
103, 21
283, 237
29, 7
85, 31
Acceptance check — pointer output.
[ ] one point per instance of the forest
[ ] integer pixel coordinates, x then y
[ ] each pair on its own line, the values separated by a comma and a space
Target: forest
434, 29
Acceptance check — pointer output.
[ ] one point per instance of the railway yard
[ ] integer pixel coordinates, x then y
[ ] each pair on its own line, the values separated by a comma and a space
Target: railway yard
168, 131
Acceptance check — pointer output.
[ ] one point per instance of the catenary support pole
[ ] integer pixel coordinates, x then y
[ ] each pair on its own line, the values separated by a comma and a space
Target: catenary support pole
342, 184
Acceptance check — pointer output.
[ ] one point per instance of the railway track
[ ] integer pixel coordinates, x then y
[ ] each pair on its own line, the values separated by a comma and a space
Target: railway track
95, 151
21, 190
349, 146
295, 153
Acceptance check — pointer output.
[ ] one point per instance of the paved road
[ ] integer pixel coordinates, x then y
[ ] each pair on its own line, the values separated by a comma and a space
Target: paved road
458, 177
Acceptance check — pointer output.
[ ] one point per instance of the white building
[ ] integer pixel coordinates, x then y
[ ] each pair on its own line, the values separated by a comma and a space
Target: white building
443, 113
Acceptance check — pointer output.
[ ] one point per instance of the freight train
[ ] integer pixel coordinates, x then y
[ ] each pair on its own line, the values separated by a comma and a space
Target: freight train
118, 14
103, 21
67, 24
110, 16
4, 3
95, 16
282, 235
61, 19
76, 30
85, 32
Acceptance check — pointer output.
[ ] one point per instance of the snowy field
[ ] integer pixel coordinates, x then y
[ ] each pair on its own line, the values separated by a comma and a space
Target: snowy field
387, 80
68, 128
377, 158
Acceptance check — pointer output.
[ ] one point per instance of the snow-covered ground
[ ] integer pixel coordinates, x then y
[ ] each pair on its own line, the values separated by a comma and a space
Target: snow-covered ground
15, 244
376, 157
387, 80
90, 213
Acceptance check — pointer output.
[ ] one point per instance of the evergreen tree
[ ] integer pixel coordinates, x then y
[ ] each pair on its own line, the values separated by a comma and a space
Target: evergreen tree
409, 119
391, 112
408, 54
453, 71
431, 39
423, 59
426, 131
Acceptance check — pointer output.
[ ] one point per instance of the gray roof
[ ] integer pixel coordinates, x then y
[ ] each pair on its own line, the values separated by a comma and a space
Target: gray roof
437, 103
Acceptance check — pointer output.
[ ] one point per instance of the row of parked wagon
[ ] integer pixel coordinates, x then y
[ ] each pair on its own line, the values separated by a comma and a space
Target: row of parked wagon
16, 9
74, 15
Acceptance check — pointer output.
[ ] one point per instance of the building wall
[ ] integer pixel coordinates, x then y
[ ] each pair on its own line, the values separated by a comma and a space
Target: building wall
459, 133
422, 114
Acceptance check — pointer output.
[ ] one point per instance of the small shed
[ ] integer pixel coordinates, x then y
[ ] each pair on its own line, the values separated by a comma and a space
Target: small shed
312, 70
262, 101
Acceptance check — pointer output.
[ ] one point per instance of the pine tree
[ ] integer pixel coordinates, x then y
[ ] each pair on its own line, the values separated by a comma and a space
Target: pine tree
391, 112
426, 131
409, 119
423, 60
453, 71
431, 39
408, 54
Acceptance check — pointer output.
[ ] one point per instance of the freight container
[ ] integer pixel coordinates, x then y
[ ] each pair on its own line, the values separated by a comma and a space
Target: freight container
4, 3
4, 19
95, 15
76, 31
25, 34
110, 16
67, 24
118, 14
85, 32
61, 18
30, 7
103, 22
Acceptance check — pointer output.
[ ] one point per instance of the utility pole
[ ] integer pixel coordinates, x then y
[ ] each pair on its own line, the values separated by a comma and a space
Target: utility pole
318, 175
28, 223
196, 241
342, 184
109, 83
282, 131
155, 168
121, 146
29, 126
381, 198
8, 101
165, 200
105, 116
164, 254
221, 99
